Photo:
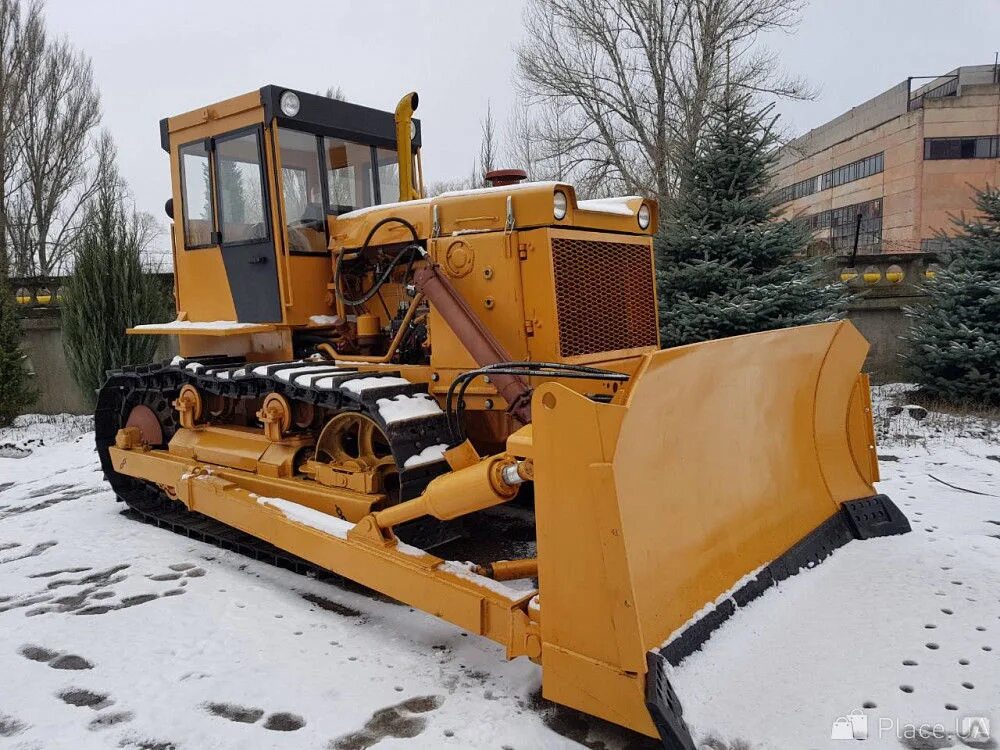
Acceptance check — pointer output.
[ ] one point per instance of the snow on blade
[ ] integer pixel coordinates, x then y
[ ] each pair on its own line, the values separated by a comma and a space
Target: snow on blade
466, 570
428, 455
193, 325
407, 407
712, 605
359, 385
310, 517
616, 206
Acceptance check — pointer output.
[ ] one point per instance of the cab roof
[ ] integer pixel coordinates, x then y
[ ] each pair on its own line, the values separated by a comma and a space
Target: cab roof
321, 115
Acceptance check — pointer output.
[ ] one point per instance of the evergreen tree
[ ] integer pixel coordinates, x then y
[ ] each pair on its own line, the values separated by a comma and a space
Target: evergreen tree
16, 392
232, 193
726, 264
955, 338
109, 289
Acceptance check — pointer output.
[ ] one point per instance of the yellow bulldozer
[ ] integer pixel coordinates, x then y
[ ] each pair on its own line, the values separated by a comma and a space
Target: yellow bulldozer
375, 382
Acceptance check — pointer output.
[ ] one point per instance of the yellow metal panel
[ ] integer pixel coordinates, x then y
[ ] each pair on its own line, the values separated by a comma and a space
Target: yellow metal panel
202, 286
575, 509
596, 688
225, 109
861, 430
719, 462
236, 447
414, 579
490, 283
468, 212
835, 394
730, 453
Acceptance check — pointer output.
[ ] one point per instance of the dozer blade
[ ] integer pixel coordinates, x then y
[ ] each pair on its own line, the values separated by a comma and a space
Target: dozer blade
730, 465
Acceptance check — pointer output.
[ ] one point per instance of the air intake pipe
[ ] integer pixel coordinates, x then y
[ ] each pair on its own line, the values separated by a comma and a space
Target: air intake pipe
404, 145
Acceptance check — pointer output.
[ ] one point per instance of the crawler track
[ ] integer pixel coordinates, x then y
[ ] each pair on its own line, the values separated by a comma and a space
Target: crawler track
316, 383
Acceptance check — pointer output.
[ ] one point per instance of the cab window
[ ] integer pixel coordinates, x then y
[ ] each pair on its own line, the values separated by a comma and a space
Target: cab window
305, 218
350, 178
240, 188
196, 184
388, 175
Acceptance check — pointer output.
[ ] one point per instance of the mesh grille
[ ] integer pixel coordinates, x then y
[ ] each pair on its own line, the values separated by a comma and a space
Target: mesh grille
604, 296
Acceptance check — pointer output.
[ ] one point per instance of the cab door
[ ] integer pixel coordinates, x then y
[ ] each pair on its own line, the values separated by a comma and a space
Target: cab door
246, 237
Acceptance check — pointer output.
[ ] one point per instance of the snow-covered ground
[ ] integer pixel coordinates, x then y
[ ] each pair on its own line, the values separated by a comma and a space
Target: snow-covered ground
114, 634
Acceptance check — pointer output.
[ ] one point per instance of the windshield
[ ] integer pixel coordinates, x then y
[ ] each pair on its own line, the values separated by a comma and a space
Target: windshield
302, 188
326, 175
349, 175
388, 174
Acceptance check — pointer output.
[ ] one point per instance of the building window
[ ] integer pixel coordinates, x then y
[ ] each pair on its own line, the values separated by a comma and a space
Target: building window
973, 147
857, 170
843, 225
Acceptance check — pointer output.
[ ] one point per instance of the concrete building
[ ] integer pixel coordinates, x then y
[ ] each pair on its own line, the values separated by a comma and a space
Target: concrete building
902, 161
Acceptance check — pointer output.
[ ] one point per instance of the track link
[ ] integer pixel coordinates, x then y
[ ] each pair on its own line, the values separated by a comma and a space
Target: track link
318, 383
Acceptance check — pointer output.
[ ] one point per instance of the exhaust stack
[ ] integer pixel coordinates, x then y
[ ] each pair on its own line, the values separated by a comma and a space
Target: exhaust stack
404, 145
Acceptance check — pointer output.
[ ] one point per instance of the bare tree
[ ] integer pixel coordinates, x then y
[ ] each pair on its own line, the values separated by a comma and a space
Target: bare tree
334, 92
521, 140
628, 83
487, 146
22, 39
447, 186
46, 211
537, 139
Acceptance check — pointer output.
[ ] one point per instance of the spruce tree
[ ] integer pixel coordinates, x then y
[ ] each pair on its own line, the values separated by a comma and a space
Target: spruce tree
955, 339
726, 263
16, 392
110, 289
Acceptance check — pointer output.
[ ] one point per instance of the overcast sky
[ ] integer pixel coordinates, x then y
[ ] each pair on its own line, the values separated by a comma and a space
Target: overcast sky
154, 59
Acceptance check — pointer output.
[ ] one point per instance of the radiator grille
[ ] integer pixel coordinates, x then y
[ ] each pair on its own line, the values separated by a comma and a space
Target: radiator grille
604, 296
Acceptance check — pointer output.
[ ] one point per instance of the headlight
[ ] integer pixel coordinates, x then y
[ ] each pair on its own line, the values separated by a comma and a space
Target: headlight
559, 204
290, 103
643, 216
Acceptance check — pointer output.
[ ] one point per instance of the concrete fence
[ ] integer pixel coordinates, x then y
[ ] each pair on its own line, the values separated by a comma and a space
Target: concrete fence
38, 304
885, 285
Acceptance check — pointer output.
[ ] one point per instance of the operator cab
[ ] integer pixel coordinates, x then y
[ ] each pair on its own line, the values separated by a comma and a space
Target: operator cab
255, 179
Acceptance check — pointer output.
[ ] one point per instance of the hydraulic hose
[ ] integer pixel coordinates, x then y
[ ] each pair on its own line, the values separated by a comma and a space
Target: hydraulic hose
413, 248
